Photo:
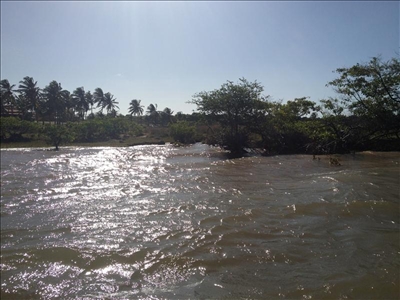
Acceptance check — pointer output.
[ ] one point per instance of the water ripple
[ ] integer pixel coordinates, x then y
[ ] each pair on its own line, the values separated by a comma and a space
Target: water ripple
165, 222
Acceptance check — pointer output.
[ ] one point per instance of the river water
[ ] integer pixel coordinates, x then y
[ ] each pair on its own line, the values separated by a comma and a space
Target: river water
151, 222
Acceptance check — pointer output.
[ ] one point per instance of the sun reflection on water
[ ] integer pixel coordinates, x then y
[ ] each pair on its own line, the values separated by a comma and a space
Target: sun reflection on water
157, 220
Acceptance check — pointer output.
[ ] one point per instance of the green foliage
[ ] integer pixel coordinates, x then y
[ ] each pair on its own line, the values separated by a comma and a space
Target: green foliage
371, 92
135, 108
13, 129
100, 129
57, 135
237, 107
182, 132
364, 116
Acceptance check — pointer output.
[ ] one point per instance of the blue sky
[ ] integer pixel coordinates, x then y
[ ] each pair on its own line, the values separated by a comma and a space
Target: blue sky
165, 52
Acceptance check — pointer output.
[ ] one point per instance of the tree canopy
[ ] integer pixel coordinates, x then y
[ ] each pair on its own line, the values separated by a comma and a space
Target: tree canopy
236, 106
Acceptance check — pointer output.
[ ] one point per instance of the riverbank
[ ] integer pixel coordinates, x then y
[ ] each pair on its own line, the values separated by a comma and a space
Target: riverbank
136, 141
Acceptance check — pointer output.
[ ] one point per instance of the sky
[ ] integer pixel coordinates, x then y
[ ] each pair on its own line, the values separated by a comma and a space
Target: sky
166, 52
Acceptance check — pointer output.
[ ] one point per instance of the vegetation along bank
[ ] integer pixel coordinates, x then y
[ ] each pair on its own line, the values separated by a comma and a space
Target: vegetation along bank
238, 117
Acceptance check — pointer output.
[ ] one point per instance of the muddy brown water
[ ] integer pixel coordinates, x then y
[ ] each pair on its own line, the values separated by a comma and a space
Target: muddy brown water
151, 222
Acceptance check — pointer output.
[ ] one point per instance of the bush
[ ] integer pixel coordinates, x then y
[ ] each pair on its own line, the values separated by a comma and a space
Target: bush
182, 132
106, 128
13, 129
57, 135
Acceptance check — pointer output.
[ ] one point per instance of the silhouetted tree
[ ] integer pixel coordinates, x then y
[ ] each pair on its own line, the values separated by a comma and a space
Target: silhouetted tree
135, 108
29, 89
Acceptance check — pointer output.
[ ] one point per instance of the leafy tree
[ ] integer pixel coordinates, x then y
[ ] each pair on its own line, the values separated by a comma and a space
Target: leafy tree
182, 132
29, 89
135, 108
13, 129
57, 135
371, 92
237, 107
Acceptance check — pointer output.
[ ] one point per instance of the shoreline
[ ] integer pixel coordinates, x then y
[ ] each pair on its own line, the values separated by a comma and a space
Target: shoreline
109, 143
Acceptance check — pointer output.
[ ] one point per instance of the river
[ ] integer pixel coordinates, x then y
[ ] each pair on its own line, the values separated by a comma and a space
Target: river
151, 222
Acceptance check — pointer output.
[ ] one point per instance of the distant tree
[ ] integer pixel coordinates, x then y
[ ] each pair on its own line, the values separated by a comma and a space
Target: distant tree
236, 107
98, 97
23, 107
55, 98
153, 114
90, 100
14, 129
58, 135
81, 103
166, 116
31, 92
151, 109
135, 108
7, 96
109, 103
182, 132
70, 106
180, 116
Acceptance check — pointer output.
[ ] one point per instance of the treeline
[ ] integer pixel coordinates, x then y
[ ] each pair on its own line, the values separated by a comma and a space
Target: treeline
237, 116
55, 104
364, 116
52, 103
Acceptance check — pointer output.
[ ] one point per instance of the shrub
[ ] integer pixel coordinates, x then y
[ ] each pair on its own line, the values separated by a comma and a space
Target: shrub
182, 132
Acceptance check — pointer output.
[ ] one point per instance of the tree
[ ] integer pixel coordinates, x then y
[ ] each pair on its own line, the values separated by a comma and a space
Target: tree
135, 108
182, 132
7, 96
58, 135
23, 107
81, 103
14, 129
236, 107
153, 114
98, 97
151, 109
371, 92
166, 116
90, 100
55, 98
29, 89
109, 103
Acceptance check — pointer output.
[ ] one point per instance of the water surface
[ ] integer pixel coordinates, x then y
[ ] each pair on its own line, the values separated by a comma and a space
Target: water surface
151, 222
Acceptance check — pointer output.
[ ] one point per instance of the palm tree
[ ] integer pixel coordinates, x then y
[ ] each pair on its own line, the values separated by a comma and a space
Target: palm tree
153, 113
81, 104
29, 89
109, 103
135, 108
23, 107
7, 96
55, 98
152, 109
98, 96
166, 116
90, 100
70, 106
